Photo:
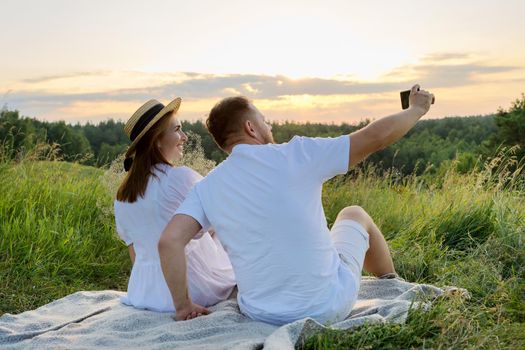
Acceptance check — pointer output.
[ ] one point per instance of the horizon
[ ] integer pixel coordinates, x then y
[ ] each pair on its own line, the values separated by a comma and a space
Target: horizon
300, 61
278, 122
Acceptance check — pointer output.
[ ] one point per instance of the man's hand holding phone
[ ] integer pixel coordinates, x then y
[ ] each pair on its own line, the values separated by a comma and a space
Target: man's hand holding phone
417, 99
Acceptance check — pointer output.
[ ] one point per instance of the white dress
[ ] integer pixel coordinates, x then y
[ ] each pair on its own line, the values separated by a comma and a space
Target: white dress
210, 273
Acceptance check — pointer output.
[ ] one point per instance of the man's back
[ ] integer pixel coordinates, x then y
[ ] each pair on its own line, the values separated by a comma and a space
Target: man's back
264, 203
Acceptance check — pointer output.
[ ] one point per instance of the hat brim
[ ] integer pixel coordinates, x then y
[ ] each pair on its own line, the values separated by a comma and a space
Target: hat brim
173, 106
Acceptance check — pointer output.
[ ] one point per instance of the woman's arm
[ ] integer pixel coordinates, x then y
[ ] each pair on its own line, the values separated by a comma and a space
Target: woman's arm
131, 253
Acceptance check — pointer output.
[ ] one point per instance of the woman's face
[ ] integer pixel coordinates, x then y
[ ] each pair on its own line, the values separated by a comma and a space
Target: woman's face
172, 140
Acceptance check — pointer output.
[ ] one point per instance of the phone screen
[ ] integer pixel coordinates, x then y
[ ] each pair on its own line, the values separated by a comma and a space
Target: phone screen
404, 98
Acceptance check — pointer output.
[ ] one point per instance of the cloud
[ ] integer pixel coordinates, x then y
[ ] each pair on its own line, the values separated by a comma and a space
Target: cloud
439, 76
216, 86
446, 56
49, 78
436, 71
197, 85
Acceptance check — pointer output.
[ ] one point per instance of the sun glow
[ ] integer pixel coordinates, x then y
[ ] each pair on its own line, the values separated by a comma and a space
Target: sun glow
308, 59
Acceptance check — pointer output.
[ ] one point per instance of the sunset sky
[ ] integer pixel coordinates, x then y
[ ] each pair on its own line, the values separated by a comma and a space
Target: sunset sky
322, 61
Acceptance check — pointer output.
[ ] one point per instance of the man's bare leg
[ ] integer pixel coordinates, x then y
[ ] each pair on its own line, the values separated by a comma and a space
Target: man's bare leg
378, 260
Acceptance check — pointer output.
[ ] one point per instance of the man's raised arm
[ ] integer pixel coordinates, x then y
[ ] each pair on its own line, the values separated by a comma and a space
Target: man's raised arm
179, 231
385, 131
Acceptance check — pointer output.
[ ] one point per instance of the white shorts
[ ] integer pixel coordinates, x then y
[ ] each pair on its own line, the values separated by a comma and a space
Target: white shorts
351, 242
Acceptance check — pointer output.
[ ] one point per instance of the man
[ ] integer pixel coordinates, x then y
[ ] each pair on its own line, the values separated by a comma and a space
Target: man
264, 203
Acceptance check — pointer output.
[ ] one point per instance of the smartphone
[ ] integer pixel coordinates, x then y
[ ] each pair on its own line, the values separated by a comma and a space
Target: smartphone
404, 99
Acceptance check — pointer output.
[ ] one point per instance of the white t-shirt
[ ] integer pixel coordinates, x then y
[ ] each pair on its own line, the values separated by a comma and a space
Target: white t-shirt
210, 274
264, 202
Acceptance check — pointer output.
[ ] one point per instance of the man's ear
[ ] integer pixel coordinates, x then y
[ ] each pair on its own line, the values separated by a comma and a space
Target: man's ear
249, 128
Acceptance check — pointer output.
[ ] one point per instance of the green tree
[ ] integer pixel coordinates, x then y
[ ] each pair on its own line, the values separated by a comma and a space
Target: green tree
511, 126
108, 153
73, 144
18, 134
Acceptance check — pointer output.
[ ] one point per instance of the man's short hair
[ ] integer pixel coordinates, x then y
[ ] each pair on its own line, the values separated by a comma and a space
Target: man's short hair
227, 117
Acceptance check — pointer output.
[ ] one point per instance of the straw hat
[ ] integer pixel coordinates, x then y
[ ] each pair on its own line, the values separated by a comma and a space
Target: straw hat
144, 118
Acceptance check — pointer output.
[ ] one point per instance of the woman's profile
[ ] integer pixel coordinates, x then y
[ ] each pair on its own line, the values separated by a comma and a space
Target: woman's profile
147, 198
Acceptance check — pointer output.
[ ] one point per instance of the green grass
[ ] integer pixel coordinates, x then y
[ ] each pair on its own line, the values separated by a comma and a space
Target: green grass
467, 231
57, 237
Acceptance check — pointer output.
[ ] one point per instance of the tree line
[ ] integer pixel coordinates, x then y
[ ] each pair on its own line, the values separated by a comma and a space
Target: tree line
429, 143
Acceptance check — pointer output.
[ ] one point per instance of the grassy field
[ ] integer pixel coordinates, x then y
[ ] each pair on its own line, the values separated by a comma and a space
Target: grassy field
57, 237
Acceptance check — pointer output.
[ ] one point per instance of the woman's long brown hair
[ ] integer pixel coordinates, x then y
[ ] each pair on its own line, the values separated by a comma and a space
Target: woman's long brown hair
147, 155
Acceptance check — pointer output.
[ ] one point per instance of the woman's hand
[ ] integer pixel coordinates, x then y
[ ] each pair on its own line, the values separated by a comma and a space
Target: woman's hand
190, 311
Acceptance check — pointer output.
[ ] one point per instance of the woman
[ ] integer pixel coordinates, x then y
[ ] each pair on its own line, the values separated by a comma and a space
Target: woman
147, 199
